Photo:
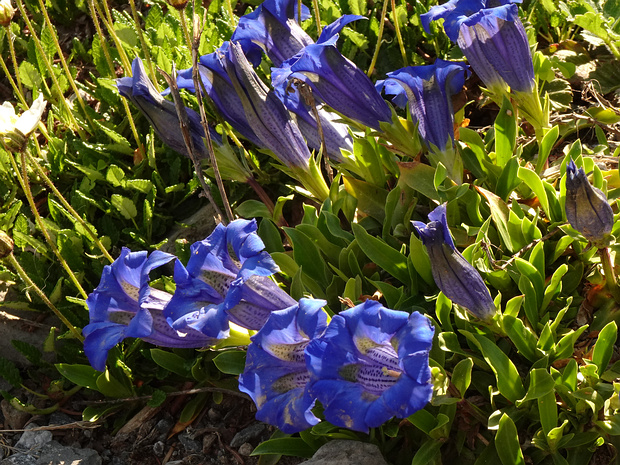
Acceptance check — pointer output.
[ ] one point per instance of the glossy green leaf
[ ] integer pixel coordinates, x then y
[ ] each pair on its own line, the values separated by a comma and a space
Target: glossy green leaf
231, 362
295, 447
505, 133
507, 442
82, 375
427, 452
308, 256
522, 337
548, 411
379, 252
541, 384
461, 375
508, 378
604, 347
171, 362
545, 148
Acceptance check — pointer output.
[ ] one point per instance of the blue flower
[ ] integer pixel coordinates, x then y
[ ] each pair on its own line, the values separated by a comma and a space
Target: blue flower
493, 40
265, 113
226, 279
275, 375
221, 91
272, 28
429, 89
454, 275
587, 208
334, 79
124, 305
371, 365
161, 113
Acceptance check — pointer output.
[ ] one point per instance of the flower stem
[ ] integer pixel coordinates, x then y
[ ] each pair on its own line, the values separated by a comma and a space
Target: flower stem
610, 275
188, 40
9, 37
317, 16
24, 182
65, 67
50, 70
68, 206
26, 279
145, 48
399, 36
371, 68
109, 24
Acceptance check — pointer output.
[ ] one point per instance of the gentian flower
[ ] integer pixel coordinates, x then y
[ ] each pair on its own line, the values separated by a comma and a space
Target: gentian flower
454, 275
124, 305
493, 40
226, 279
220, 90
272, 28
429, 90
587, 208
371, 365
334, 79
161, 113
275, 375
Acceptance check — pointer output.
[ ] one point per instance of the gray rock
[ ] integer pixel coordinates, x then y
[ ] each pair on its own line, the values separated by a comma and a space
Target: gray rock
246, 449
341, 452
59, 418
33, 440
56, 454
247, 434
20, 459
13, 418
190, 444
159, 448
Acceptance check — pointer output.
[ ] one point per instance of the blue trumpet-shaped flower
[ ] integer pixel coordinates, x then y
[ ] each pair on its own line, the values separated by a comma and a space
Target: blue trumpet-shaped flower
272, 28
265, 113
454, 275
371, 365
587, 208
124, 305
334, 79
493, 40
161, 113
429, 89
226, 279
275, 375
221, 91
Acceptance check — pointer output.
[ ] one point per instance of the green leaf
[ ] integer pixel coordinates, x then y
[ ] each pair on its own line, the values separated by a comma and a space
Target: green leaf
10, 373
507, 442
545, 148
541, 384
253, 209
522, 337
534, 182
109, 386
379, 252
125, 206
427, 452
370, 199
505, 133
295, 447
548, 411
461, 375
565, 346
158, 398
171, 362
604, 347
231, 362
508, 378
503, 217
29, 75
308, 256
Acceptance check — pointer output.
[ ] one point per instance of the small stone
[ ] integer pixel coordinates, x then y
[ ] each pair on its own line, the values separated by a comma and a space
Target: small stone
214, 415
246, 449
190, 445
159, 448
33, 440
56, 454
13, 418
247, 434
342, 452
59, 418
19, 459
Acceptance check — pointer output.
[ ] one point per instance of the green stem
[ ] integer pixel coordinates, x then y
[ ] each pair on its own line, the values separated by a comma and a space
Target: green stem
50, 70
371, 68
317, 16
106, 52
68, 206
610, 275
22, 100
188, 40
24, 182
66, 69
26, 279
399, 36
231, 14
145, 49
109, 24
9, 37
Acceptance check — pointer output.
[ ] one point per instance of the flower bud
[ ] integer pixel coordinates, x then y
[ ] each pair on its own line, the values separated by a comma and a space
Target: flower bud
587, 208
6, 245
15, 130
6, 12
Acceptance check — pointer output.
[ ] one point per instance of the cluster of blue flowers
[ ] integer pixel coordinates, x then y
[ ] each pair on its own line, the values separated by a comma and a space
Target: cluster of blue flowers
282, 120
368, 365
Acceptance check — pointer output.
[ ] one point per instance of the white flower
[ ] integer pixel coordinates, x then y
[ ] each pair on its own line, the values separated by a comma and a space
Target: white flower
26, 123
6, 12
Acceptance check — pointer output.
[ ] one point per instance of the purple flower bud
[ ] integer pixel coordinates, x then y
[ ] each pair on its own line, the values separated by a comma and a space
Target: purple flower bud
454, 275
587, 208
334, 79
492, 38
161, 113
